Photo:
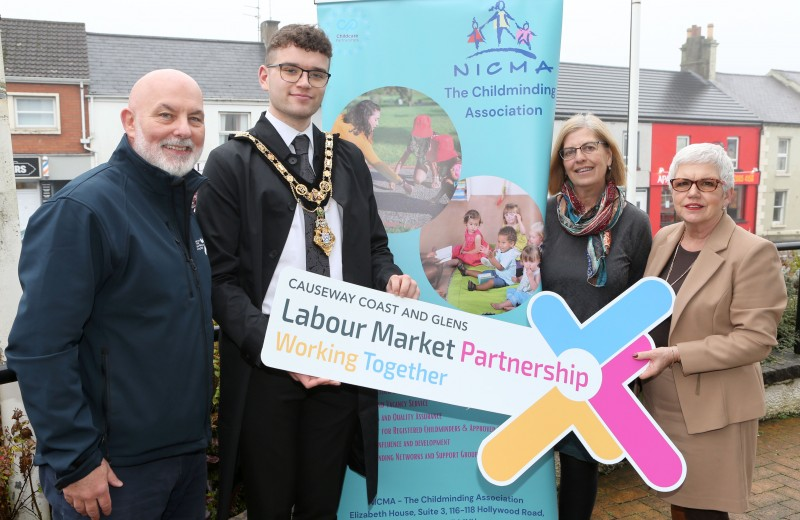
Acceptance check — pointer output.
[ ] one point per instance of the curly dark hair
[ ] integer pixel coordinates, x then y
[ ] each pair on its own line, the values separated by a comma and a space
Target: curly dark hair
508, 232
358, 115
307, 37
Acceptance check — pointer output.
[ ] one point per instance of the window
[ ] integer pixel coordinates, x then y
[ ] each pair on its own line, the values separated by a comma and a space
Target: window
232, 122
625, 148
783, 155
736, 207
640, 199
34, 113
667, 216
681, 142
733, 151
779, 208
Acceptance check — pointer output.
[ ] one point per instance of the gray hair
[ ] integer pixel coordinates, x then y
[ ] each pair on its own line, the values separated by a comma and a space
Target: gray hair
705, 153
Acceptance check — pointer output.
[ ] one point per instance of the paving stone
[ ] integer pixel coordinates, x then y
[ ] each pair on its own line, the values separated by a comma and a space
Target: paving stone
792, 504
776, 482
760, 486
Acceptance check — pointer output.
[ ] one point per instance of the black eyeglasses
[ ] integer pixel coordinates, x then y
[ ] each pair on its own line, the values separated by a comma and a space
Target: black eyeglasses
702, 184
293, 73
587, 148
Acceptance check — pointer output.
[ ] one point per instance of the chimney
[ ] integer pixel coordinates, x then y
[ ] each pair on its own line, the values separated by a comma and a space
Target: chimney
268, 30
699, 53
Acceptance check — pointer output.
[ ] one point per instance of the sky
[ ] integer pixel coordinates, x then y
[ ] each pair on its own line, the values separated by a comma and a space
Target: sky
753, 36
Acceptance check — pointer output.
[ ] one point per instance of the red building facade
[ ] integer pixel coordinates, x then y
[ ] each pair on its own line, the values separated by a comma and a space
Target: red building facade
742, 144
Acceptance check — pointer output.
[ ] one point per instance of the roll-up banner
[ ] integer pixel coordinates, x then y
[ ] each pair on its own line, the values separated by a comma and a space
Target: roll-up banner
452, 103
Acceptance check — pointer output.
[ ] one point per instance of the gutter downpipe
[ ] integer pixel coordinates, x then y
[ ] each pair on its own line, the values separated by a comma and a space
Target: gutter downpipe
85, 141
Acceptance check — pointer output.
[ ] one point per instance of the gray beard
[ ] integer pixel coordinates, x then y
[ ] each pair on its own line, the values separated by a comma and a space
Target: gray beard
153, 154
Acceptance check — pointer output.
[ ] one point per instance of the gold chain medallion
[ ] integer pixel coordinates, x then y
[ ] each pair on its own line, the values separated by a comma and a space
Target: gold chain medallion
323, 236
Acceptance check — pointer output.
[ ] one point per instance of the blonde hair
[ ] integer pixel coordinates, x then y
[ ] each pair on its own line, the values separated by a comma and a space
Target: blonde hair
510, 207
588, 120
537, 229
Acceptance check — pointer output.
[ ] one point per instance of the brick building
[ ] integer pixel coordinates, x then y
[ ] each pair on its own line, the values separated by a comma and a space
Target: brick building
47, 73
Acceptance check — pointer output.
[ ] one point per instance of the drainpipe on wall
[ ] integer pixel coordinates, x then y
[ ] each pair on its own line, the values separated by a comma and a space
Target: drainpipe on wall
92, 125
85, 141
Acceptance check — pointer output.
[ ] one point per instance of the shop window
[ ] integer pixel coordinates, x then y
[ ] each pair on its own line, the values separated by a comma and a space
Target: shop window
736, 207
640, 199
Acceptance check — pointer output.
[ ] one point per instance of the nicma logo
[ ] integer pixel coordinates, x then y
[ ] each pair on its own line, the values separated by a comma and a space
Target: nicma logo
501, 34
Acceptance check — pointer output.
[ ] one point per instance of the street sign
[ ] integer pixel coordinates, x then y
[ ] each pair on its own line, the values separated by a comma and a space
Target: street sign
27, 167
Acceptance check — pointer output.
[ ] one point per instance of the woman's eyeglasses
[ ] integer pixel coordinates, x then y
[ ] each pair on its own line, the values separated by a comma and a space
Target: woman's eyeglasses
702, 184
587, 149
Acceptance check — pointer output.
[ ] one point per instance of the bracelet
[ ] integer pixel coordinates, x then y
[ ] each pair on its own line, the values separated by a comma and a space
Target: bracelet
674, 351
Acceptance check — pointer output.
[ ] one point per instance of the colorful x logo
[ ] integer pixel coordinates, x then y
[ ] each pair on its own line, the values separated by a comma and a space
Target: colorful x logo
611, 422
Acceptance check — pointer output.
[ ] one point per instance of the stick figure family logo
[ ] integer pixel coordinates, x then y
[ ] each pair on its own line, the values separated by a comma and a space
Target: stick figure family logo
500, 27
608, 418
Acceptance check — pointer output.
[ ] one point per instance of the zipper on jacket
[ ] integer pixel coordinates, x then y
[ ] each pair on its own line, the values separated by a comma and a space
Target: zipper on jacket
191, 279
189, 252
106, 401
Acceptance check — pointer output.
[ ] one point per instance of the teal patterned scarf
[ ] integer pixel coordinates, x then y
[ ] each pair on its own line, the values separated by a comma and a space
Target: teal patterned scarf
594, 223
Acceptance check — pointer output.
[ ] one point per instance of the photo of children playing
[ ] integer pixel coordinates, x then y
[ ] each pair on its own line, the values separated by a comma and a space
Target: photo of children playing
482, 254
412, 150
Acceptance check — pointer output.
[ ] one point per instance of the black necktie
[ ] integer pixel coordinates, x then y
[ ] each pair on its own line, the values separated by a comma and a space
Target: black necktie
316, 259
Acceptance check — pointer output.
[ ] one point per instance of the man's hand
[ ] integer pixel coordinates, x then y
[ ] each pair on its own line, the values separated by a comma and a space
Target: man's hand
90, 495
403, 285
312, 381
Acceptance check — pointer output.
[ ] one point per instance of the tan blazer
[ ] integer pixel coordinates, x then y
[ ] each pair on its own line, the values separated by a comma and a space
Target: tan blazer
724, 323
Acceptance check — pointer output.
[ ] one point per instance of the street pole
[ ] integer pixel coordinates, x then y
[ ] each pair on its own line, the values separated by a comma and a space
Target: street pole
633, 101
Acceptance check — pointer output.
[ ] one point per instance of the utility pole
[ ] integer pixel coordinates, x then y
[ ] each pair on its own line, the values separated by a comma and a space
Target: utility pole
633, 101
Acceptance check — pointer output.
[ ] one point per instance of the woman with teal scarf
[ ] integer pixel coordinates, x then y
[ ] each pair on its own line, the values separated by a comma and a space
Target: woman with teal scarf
595, 247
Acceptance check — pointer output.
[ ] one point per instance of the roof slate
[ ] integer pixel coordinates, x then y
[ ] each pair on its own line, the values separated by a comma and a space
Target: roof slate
225, 70
664, 96
42, 49
765, 96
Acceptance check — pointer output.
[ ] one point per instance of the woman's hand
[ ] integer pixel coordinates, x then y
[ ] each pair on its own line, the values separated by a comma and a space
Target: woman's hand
660, 358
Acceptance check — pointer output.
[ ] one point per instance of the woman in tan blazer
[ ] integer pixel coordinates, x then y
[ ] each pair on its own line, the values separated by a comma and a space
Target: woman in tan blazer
704, 384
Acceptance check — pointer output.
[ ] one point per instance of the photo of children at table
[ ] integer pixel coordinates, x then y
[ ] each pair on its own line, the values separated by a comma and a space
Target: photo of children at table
472, 235
503, 258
